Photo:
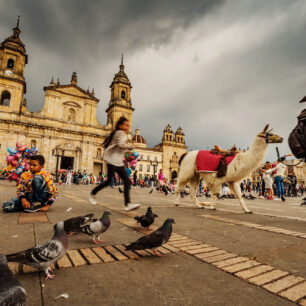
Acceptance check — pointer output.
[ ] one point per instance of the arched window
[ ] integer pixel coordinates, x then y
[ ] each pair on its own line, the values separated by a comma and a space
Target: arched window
123, 94
33, 143
71, 115
5, 98
10, 63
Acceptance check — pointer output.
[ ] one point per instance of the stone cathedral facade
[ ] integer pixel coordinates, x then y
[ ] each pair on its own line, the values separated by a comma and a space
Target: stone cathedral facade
67, 125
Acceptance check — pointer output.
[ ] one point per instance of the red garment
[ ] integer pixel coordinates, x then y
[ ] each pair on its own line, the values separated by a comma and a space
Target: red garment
208, 162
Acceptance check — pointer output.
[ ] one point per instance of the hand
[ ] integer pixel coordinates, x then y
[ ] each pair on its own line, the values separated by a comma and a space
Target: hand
45, 208
25, 203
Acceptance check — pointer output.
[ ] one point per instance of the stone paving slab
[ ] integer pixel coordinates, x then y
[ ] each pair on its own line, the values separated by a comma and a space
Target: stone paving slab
256, 226
295, 293
115, 253
76, 258
90, 256
228, 262
14, 267
204, 249
30, 218
128, 253
220, 257
102, 254
241, 266
254, 271
64, 262
210, 254
283, 283
267, 277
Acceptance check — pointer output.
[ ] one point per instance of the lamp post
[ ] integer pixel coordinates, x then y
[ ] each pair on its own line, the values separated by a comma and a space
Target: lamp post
154, 164
57, 152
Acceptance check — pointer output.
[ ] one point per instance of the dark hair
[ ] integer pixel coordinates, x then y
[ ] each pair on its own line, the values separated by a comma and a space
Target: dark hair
109, 139
39, 158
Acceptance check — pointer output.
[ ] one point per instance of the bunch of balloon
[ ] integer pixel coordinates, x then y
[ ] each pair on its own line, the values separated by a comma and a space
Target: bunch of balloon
131, 159
18, 161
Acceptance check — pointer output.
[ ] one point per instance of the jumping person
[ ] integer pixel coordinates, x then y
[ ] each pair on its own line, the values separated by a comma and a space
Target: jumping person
36, 190
116, 146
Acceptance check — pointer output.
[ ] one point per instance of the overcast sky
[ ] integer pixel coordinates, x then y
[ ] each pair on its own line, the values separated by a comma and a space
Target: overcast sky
219, 69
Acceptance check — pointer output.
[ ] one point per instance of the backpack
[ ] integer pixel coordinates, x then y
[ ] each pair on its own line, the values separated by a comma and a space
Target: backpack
297, 138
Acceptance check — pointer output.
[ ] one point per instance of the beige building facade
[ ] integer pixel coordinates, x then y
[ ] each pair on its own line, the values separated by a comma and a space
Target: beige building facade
163, 156
66, 131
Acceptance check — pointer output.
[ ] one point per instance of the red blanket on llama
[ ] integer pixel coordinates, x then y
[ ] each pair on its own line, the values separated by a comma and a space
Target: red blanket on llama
209, 162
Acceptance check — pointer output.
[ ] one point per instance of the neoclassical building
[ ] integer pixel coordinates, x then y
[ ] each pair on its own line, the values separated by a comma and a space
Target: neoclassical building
66, 131
163, 156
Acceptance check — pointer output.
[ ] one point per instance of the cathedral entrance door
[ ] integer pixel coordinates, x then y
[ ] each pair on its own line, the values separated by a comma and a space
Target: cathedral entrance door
173, 175
67, 162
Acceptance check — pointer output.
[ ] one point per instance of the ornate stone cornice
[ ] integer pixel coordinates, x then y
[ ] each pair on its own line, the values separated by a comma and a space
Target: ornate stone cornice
119, 105
57, 87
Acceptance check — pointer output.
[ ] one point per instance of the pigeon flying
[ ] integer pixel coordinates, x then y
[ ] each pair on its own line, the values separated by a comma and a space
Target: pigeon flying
45, 254
74, 225
155, 239
147, 219
11, 292
98, 227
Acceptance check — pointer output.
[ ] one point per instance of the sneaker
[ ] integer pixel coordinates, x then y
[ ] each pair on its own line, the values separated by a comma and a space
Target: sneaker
92, 200
277, 199
33, 209
131, 206
303, 203
283, 199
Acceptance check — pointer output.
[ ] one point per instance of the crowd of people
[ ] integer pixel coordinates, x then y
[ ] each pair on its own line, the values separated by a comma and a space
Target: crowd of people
36, 190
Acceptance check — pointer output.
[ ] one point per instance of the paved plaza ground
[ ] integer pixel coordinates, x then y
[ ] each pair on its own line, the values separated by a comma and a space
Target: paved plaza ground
222, 257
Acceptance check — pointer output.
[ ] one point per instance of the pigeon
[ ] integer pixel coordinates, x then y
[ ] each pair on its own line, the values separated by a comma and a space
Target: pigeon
45, 254
147, 219
155, 239
73, 225
151, 191
98, 227
120, 190
11, 292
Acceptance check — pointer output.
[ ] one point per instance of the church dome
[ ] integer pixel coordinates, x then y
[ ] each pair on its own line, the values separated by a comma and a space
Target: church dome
138, 140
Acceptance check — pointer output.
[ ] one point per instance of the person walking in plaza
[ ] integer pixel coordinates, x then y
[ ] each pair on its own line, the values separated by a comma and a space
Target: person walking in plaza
268, 184
69, 177
116, 145
36, 190
135, 178
280, 169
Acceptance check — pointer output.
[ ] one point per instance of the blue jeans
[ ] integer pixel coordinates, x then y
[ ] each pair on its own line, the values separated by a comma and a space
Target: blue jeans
279, 185
39, 194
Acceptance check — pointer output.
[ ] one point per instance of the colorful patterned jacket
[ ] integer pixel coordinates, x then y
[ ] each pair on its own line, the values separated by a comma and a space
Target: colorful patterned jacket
25, 185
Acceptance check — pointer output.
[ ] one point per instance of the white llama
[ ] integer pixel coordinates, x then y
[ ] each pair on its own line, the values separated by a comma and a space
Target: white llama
241, 167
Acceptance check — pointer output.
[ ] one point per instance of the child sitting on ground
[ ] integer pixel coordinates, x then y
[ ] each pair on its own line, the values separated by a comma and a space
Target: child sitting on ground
36, 190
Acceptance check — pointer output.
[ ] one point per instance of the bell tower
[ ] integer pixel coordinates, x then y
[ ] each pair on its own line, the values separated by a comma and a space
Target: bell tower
13, 59
120, 103
168, 136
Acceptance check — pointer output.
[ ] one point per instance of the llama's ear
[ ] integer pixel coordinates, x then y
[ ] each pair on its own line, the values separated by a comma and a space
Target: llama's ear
270, 130
265, 129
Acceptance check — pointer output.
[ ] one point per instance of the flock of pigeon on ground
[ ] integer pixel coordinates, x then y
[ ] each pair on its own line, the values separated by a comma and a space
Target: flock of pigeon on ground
47, 253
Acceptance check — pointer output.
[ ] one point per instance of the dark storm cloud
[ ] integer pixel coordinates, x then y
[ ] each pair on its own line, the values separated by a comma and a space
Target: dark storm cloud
95, 27
218, 69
